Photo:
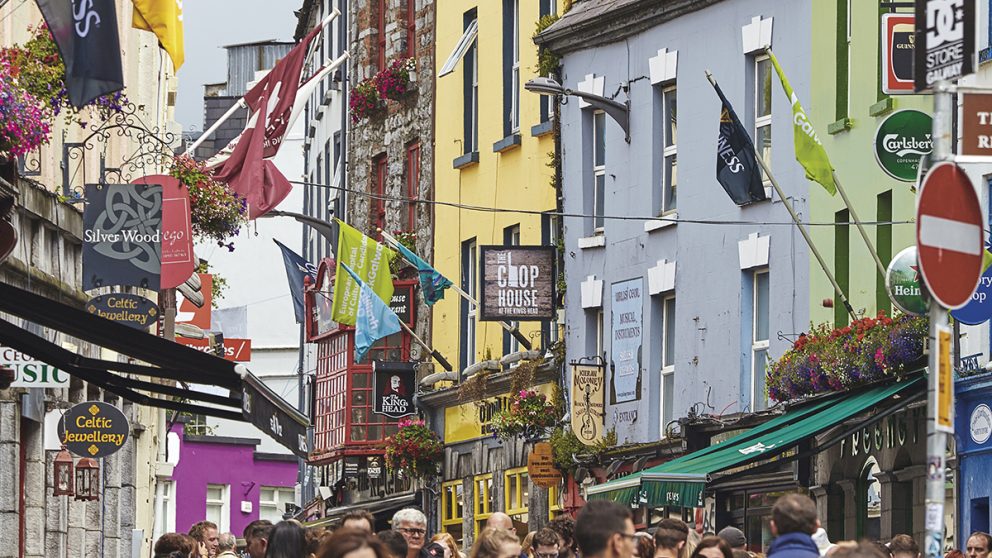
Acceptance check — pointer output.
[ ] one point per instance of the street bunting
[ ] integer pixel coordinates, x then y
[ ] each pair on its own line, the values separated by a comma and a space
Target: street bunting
976, 124
897, 53
30, 372
901, 139
902, 282
393, 384
588, 405
945, 41
93, 429
518, 283
124, 308
122, 236
272, 415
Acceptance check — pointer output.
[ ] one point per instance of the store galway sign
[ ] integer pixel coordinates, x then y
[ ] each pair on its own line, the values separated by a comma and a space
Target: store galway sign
588, 409
272, 415
518, 283
122, 236
129, 309
393, 384
32, 373
945, 41
902, 282
898, 39
93, 429
901, 140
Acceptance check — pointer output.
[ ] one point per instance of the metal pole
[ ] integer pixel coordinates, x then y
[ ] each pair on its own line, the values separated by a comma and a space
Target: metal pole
857, 221
943, 101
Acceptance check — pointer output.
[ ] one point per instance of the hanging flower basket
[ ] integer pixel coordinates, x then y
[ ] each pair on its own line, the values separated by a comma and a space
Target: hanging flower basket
395, 81
415, 450
216, 213
23, 123
529, 414
364, 100
831, 359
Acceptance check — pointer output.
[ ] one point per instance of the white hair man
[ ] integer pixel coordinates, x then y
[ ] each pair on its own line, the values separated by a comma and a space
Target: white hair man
412, 524
226, 545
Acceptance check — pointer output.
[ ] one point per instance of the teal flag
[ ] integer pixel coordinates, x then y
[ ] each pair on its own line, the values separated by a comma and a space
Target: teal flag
374, 319
432, 283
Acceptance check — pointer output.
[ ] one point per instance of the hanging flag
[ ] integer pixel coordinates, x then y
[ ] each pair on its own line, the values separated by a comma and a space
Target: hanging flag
370, 261
86, 34
736, 163
296, 269
432, 283
165, 19
374, 319
809, 150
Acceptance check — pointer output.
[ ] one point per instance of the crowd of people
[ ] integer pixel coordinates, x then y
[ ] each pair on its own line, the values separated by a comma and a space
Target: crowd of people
602, 529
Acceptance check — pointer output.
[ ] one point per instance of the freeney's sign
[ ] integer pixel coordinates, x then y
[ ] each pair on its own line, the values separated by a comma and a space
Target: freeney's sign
93, 429
518, 283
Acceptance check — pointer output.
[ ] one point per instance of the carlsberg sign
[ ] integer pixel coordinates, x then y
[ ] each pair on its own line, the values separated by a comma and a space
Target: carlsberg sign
901, 140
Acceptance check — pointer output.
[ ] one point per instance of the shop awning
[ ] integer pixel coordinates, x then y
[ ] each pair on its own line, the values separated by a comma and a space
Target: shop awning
681, 482
390, 505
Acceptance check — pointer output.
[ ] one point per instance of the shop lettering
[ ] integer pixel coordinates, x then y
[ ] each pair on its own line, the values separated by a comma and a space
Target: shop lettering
27, 370
85, 15
624, 416
893, 432
489, 408
393, 404
98, 236
902, 146
95, 438
516, 285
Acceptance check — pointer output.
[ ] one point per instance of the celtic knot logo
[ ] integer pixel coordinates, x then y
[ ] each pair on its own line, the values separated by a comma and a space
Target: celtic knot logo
129, 227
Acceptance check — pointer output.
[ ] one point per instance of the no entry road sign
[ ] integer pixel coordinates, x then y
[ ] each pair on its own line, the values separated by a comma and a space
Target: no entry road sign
949, 235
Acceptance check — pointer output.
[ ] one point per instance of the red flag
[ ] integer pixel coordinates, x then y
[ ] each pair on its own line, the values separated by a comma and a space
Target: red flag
248, 174
279, 86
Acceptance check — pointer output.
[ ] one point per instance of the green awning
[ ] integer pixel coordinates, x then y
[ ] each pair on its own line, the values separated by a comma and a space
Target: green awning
681, 482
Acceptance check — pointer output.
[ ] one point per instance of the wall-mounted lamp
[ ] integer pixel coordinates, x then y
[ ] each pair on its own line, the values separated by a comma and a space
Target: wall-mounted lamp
88, 479
63, 479
619, 112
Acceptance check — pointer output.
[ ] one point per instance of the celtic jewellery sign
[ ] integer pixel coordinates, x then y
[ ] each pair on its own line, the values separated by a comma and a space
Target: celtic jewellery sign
901, 140
93, 429
129, 309
122, 236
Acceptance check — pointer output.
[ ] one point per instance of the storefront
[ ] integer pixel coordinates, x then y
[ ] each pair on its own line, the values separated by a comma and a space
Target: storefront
973, 430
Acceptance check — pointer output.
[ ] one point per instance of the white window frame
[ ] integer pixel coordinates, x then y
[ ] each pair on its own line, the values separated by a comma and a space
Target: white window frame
475, 100
762, 121
515, 71
165, 514
600, 333
758, 346
473, 310
669, 153
275, 503
598, 172
461, 47
224, 524
667, 359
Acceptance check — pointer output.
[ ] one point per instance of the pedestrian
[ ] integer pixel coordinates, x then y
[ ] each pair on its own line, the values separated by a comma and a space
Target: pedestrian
352, 543
449, 543
314, 537
412, 524
395, 542
643, 545
545, 544
287, 540
670, 538
978, 545
227, 543
735, 537
712, 547
565, 527
499, 520
954, 553
851, 549
528, 545
205, 533
496, 543
256, 536
903, 546
605, 529
793, 523
174, 545
359, 519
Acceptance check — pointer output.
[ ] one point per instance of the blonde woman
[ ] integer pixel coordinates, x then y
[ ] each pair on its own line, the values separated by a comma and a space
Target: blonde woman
496, 543
449, 543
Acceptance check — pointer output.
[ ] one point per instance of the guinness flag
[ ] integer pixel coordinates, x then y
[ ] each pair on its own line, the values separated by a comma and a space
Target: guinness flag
86, 34
736, 164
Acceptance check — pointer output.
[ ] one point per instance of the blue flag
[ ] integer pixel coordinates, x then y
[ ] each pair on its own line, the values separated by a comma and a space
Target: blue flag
374, 319
296, 269
432, 283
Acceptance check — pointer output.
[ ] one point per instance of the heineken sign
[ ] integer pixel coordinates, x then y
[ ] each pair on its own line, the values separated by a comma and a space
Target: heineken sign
901, 140
93, 429
902, 282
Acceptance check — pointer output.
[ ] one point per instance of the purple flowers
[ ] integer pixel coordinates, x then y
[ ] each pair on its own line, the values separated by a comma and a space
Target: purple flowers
23, 123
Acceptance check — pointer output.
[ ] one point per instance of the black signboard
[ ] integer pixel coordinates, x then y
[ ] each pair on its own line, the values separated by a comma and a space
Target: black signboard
274, 416
350, 467
402, 304
394, 384
373, 467
93, 429
122, 236
129, 309
945, 41
518, 283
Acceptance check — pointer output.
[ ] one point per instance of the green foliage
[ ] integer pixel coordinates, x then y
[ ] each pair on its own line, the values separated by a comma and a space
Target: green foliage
547, 61
529, 414
218, 284
414, 449
216, 213
565, 444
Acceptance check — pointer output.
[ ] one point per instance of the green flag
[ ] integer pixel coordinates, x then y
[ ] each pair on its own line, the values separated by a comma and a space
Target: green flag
809, 150
370, 261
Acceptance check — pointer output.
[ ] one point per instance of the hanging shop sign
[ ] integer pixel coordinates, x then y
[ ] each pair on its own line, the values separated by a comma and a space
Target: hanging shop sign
373, 467
473, 420
30, 372
945, 41
402, 303
93, 429
129, 309
980, 424
122, 236
541, 466
901, 140
979, 309
902, 282
274, 416
626, 304
393, 384
588, 405
898, 38
177, 230
518, 283
237, 350
976, 124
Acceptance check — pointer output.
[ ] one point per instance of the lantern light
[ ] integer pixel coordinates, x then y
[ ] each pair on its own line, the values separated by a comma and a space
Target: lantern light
63, 478
87, 479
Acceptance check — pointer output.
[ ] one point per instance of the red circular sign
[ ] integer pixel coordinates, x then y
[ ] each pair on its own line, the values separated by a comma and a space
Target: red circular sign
949, 235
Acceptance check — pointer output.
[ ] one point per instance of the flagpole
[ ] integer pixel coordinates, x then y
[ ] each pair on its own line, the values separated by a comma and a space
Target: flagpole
514, 331
437, 356
802, 228
857, 221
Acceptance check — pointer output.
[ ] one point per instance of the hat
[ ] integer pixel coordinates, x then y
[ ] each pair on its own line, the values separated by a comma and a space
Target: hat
733, 536
822, 542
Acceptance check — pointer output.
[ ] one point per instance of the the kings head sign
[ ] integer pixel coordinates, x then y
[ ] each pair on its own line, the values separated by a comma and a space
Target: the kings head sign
93, 429
393, 385
122, 236
518, 283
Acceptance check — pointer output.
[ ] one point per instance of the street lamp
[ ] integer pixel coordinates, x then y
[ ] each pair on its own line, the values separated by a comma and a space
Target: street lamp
619, 112
63, 473
87, 479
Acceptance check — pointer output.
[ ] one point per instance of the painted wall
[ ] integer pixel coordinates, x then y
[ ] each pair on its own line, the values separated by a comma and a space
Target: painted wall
203, 463
712, 350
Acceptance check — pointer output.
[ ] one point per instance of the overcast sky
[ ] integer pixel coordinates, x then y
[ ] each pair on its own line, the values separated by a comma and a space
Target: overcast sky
210, 24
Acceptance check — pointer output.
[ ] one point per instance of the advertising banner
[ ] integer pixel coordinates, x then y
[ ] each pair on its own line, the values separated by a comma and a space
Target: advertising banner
93, 429
393, 384
897, 53
626, 303
901, 140
518, 283
588, 405
122, 236
30, 372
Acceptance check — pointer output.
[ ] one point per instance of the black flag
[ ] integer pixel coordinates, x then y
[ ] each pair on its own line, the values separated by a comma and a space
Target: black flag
86, 34
736, 166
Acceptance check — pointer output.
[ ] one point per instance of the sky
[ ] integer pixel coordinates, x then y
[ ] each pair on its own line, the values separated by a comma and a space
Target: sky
208, 25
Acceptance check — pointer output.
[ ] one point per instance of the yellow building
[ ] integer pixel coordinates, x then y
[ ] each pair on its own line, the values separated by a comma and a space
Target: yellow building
493, 143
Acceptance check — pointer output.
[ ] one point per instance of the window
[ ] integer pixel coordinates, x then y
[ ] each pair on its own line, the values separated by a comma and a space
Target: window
759, 340
378, 217
452, 509
317, 201
667, 364
598, 169
165, 515
511, 66
546, 8
763, 110
670, 171
883, 243
511, 237
471, 98
549, 237
554, 502
516, 491
272, 502
219, 506
412, 185
380, 36
600, 332
843, 55
196, 425
469, 310
842, 264
483, 500
466, 41
411, 28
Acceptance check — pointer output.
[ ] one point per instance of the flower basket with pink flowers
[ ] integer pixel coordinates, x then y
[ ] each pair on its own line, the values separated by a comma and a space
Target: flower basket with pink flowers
415, 449
363, 101
216, 213
395, 80
529, 414
23, 123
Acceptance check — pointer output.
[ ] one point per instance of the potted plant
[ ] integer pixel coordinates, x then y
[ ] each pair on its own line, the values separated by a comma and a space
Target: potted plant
216, 213
415, 450
529, 414
364, 100
23, 123
395, 80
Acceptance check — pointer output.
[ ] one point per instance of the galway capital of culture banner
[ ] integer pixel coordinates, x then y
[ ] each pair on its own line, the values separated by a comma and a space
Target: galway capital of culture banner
122, 236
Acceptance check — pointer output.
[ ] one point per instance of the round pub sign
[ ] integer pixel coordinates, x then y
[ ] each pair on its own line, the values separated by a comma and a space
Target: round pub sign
901, 140
93, 429
902, 281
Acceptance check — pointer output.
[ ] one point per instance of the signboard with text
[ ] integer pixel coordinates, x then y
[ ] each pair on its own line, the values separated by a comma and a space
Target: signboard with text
394, 384
588, 405
898, 38
93, 429
976, 124
237, 350
518, 283
128, 309
122, 236
177, 231
901, 140
274, 416
626, 304
403, 304
945, 41
30, 372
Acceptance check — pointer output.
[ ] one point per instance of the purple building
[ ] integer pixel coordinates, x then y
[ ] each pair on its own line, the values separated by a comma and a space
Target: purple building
223, 479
